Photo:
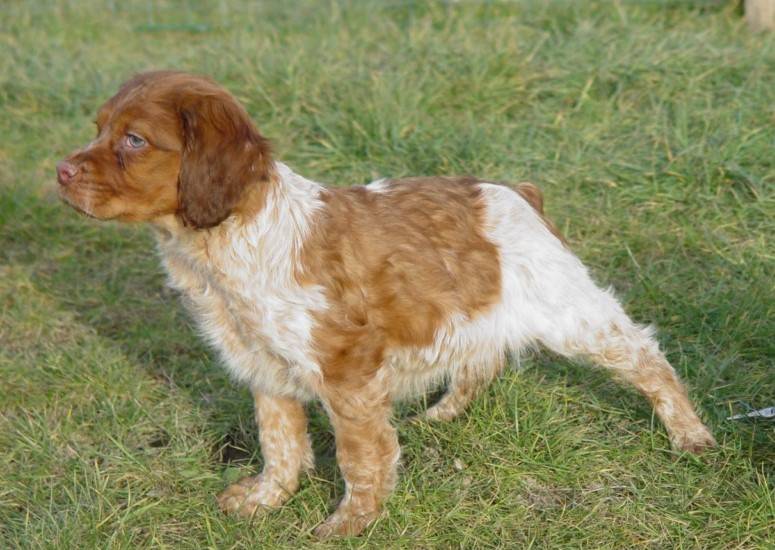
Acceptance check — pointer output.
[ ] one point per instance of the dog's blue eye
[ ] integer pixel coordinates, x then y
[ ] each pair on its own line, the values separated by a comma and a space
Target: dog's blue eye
135, 142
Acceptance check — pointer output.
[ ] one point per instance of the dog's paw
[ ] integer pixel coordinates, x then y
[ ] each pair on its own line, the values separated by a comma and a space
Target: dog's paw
251, 496
344, 524
695, 442
441, 412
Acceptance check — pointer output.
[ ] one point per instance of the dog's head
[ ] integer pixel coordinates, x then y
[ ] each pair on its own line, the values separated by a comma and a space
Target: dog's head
167, 143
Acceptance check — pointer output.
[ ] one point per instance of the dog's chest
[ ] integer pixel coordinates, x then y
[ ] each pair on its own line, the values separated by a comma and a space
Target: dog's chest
259, 319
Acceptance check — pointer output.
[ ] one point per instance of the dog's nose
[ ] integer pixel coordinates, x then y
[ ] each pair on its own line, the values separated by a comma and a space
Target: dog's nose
65, 172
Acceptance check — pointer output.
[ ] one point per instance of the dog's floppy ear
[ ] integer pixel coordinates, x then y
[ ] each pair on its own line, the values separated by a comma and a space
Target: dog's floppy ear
223, 154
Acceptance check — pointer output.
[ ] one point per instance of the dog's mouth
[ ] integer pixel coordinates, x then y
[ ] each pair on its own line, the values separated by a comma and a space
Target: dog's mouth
82, 211
73, 203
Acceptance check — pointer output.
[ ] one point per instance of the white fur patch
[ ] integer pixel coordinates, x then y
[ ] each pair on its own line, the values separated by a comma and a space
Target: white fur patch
243, 292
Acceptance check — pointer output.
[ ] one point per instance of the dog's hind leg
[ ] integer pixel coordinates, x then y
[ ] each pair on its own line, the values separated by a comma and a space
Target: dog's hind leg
632, 354
466, 382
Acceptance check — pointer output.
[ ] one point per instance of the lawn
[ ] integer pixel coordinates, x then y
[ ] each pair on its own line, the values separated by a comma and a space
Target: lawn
650, 126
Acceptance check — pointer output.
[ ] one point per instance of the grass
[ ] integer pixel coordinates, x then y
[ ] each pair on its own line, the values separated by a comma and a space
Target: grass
649, 125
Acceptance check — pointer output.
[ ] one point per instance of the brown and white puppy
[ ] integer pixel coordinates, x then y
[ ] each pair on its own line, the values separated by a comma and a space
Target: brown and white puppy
354, 296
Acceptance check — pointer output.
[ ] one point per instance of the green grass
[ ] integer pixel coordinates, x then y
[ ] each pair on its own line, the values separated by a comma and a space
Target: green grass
649, 125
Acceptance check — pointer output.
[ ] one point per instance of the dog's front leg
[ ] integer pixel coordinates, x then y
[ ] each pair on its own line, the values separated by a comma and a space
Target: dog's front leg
367, 452
285, 445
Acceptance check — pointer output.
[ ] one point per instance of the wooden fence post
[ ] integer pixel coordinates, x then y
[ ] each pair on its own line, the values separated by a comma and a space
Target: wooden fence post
760, 14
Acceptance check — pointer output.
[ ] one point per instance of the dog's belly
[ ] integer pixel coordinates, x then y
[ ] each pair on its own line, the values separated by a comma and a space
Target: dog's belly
410, 374
469, 343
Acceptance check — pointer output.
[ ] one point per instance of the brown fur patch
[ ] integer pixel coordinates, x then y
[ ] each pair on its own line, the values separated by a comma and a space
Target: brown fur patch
395, 266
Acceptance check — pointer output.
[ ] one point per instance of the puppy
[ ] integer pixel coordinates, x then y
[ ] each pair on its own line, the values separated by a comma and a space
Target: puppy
353, 296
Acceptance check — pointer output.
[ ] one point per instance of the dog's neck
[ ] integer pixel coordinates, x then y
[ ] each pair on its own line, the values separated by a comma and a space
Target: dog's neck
268, 228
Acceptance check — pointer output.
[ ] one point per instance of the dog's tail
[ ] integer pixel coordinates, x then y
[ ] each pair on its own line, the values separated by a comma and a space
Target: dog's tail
533, 195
